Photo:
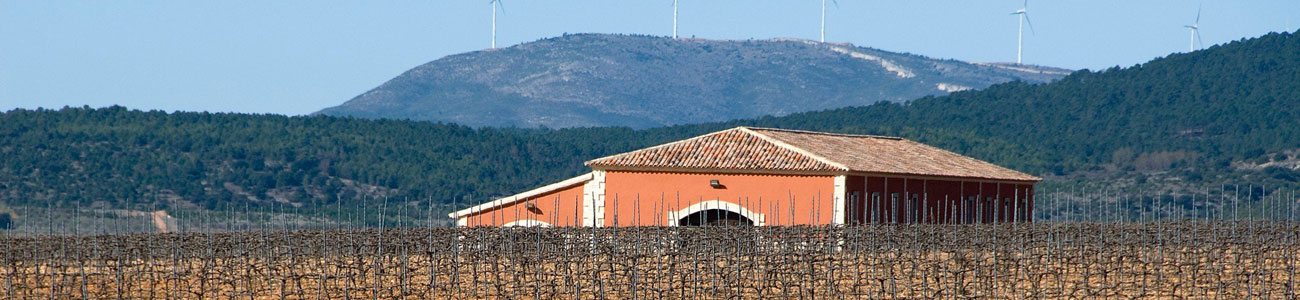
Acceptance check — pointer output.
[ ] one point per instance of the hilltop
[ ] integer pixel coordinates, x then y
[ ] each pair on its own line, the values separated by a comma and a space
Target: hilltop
646, 81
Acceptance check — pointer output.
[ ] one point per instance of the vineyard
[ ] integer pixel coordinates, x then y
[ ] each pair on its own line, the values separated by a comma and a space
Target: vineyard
1054, 260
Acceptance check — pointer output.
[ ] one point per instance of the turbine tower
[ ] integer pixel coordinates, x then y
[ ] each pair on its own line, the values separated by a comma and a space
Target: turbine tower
1195, 33
495, 4
837, 4
674, 19
1020, 39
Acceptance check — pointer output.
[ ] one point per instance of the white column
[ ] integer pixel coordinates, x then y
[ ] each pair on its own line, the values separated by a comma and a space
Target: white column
839, 211
593, 200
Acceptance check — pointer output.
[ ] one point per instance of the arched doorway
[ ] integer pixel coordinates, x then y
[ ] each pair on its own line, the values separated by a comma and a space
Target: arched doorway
715, 217
527, 223
715, 212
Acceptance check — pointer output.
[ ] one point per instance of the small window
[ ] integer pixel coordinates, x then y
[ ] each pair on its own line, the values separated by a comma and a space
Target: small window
875, 206
856, 208
969, 209
894, 214
918, 208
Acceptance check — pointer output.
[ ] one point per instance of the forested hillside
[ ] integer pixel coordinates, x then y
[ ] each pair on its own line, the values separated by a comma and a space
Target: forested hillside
122, 156
1235, 101
1228, 113
119, 157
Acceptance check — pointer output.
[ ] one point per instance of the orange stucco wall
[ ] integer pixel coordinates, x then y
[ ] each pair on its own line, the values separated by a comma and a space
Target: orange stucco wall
558, 208
645, 198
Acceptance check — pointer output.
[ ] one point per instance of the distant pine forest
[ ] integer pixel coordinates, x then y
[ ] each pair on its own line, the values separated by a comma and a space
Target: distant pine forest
1229, 114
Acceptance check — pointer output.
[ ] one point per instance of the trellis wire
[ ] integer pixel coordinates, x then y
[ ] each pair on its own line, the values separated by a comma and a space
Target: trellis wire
1098, 243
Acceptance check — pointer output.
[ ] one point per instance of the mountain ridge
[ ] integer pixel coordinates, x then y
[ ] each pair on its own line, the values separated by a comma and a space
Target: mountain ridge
582, 80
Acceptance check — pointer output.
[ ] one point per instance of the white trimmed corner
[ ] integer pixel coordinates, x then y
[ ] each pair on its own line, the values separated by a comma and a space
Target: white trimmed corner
593, 200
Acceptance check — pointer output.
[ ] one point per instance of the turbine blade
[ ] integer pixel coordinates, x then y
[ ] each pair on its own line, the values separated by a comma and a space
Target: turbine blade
1198, 14
1199, 44
502, 6
1031, 24
1026, 5
837, 3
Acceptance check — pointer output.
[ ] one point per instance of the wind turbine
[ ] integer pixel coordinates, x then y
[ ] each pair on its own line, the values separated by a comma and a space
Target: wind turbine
1020, 39
674, 19
1195, 33
494, 4
837, 5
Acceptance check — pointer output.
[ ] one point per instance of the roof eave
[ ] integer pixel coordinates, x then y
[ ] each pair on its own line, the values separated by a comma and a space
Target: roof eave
828, 172
1029, 179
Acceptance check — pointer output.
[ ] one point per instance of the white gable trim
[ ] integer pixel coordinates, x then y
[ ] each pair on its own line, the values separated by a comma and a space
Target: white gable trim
674, 216
783, 144
521, 196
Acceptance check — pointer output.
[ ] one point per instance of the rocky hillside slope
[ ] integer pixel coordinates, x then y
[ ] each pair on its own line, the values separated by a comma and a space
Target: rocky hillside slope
645, 81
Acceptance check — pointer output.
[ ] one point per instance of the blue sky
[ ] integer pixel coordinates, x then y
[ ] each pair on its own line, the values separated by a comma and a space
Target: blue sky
295, 57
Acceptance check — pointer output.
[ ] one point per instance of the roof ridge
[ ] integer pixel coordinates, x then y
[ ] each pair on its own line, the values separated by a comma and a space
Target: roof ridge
743, 130
825, 133
801, 151
588, 162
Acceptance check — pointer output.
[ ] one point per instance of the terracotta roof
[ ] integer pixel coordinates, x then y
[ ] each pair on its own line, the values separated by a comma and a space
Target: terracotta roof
771, 149
732, 149
876, 154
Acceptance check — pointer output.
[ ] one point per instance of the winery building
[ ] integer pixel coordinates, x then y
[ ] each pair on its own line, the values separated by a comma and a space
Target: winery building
766, 177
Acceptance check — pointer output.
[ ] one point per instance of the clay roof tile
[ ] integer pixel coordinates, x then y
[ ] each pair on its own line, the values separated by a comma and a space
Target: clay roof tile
771, 149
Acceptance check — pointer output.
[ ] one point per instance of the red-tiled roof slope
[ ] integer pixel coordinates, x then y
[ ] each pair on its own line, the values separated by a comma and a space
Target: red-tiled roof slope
732, 149
768, 149
875, 154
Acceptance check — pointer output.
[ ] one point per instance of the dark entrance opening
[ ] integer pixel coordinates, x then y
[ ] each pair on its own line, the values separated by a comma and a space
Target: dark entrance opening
715, 217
